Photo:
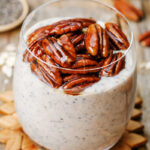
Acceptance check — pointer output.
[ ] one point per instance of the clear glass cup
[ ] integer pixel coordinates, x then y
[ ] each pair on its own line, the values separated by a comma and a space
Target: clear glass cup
94, 120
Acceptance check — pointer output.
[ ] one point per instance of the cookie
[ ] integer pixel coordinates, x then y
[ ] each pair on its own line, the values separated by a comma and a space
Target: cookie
134, 126
134, 140
138, 102
121, 146
7, 96
136, 113
7, 109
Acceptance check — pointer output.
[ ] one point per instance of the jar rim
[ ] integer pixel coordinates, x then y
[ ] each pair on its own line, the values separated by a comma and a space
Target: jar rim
86, 69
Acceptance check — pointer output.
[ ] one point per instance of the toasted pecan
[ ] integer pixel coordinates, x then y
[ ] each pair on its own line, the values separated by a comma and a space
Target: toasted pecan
83, 65
113, 64
61, 50
144, 39
49, 71
130, 11
77, 84
117, 36
96, 41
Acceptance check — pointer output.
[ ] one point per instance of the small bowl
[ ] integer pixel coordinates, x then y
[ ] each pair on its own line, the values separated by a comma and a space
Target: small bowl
14, 24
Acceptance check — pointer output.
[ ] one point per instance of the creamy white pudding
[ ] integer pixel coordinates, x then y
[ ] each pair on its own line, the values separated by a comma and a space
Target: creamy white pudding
93, 120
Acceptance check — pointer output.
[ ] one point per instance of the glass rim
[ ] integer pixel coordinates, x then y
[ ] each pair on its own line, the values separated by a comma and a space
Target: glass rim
70, 69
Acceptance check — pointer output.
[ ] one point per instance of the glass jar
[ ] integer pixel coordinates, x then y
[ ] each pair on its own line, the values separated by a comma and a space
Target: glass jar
92, 120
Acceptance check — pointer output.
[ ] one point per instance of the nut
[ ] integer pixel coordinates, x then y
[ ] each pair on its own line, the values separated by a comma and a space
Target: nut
35, 50
60, 50
96, 41
60, 27
117, 36
130, 11
77, 40
83, 65
144, 39
49, 72
76, 84
111, 66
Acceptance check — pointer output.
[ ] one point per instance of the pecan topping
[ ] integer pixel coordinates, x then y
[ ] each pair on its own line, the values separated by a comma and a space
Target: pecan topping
62, 50
130, 11
76, 84
117, 36
49, 72
79, 47
96, 41
144, 39
77, 40
83, 65
65, 28
37, 35
75, 53
36, 50
59, 28
113, 67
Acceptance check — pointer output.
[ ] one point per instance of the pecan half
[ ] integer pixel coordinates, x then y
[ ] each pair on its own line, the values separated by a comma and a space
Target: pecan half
35, 50
78, 40
60, 50
83, 65
84, 22
144, 39
76, 84
117, 36
96, 41
65, 28
49, 71
37, 35
111, 66
80, 47
112, 45
130, 11
59, 28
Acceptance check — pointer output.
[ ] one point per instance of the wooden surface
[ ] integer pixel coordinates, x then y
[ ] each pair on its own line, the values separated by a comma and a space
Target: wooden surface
9, 42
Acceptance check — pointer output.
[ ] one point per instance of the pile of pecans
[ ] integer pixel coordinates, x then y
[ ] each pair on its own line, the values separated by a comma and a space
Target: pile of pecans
76, 53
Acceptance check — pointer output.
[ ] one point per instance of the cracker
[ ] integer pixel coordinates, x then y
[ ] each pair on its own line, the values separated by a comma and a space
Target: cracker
136, 113
134, 140
14, 143
10, 122
121, 146
5, 135
134, 126
7, 109
7, 96
138, 101
27, 144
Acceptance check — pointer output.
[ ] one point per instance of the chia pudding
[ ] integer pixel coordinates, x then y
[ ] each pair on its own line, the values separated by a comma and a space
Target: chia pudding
93, 120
